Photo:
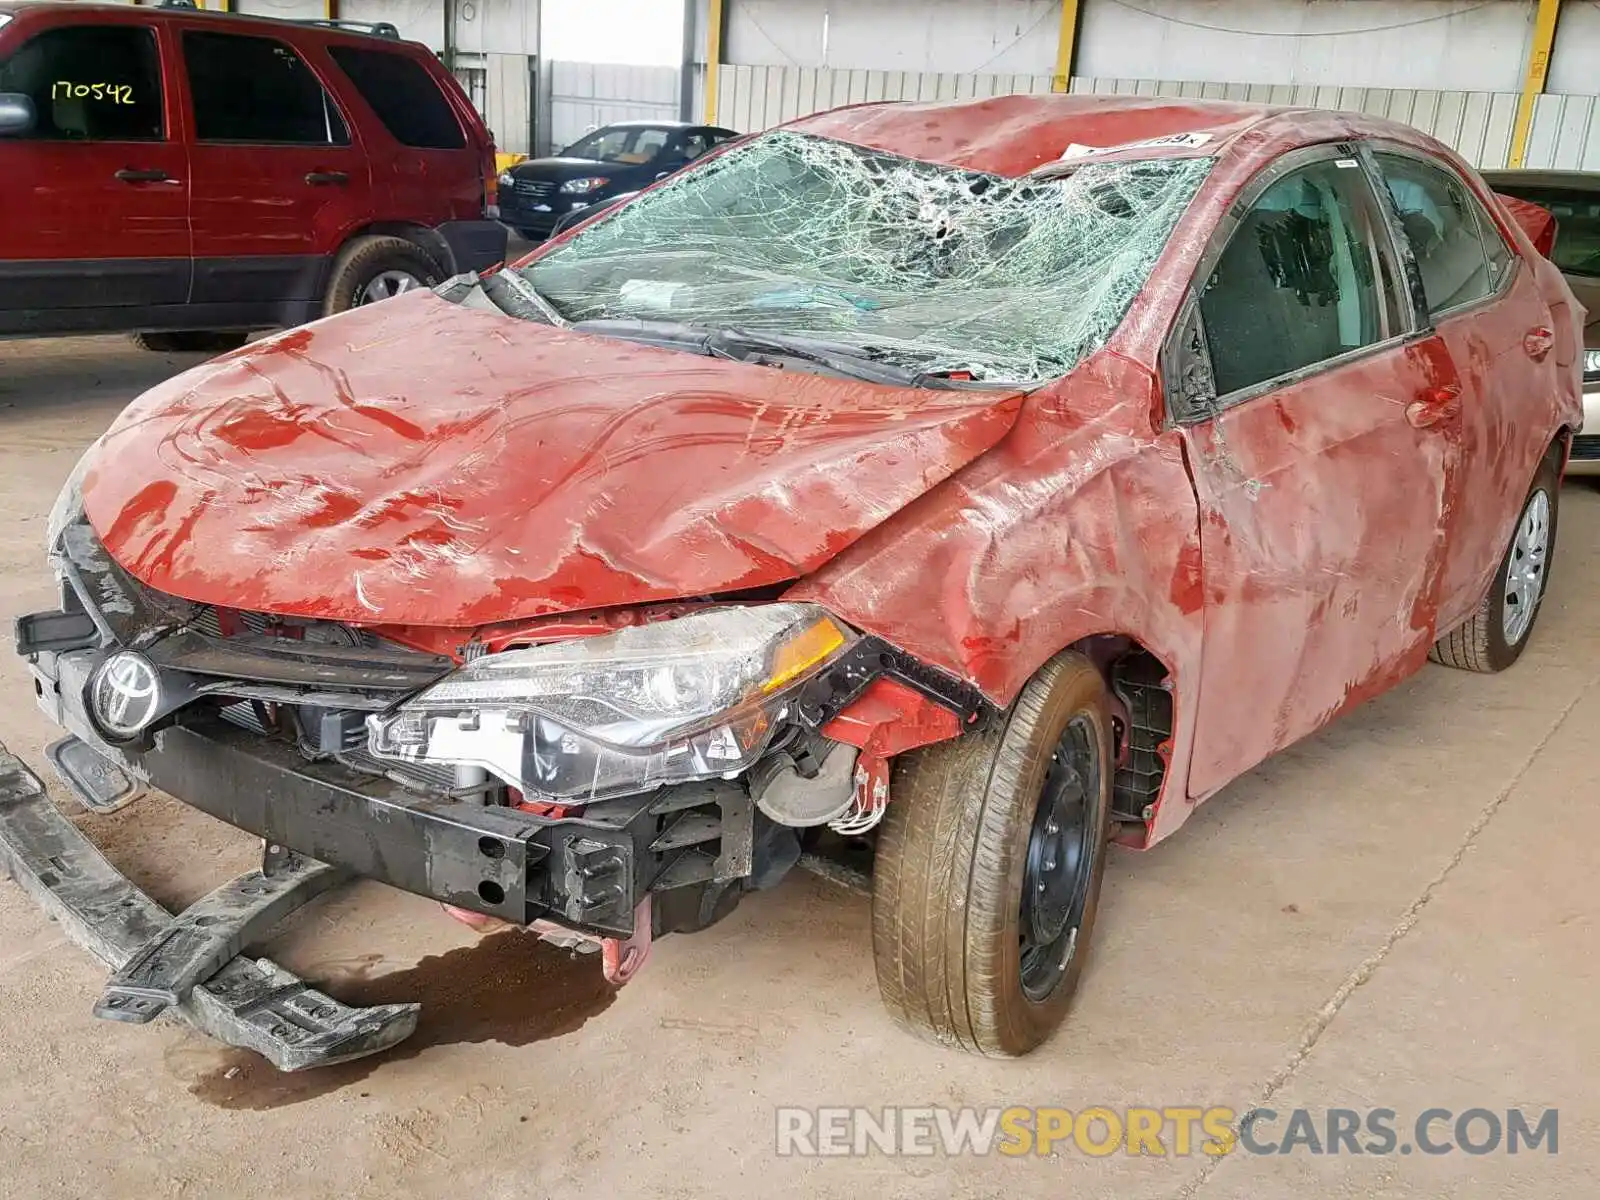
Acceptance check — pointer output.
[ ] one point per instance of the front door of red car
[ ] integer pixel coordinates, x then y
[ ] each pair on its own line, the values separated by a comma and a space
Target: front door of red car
1324, 451
94, 198
278, 179
1486, 305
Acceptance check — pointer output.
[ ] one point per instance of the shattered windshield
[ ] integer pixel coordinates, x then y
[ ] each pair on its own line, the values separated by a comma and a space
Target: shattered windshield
933, 267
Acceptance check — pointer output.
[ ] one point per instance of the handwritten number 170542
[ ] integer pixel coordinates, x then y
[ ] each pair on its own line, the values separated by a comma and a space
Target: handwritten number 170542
117, 93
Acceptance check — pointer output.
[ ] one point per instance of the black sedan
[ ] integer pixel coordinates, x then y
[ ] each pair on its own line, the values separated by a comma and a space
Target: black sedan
535, 195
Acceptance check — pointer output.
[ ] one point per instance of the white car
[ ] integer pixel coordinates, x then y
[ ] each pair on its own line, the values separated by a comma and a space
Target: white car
1574, 198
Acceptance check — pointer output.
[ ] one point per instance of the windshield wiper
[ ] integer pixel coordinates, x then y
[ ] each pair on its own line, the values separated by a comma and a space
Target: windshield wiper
840, 357
741, 345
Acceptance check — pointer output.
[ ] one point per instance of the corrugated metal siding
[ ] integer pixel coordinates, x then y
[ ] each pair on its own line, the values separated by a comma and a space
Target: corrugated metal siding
1478, 125
582, 96
754, 98
1565, 134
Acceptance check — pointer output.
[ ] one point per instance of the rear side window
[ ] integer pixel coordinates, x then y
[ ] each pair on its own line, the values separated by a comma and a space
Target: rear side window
257, 90
1459, 251
90, 83
1301, 280
406, 98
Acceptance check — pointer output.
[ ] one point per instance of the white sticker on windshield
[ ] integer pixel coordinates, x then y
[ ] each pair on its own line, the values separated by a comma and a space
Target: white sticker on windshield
1346, 163
649, 293
1189, 140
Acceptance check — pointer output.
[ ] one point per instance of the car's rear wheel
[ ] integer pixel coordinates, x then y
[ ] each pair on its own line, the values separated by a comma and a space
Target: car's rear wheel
1496, 634
191, 341
371, 269
989, 866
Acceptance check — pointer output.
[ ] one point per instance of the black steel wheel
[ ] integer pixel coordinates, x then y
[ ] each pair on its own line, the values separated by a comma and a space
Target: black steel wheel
1059, 867
989, 866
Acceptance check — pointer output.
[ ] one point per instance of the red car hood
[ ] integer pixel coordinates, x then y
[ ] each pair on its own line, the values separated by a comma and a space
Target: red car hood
425, 464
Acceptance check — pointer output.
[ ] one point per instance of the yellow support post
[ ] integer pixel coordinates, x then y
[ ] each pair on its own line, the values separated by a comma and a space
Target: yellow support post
330, 10
714, 20
1544, 39
1066, 46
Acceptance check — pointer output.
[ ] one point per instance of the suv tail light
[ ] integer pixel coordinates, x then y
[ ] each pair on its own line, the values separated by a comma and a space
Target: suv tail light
491, 184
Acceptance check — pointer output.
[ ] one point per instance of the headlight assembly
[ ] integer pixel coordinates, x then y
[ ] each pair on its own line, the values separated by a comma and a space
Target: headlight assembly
692, 698
68, 507
581, 187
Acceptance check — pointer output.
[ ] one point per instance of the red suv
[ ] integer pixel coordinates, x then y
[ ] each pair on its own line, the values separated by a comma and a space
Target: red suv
191, 176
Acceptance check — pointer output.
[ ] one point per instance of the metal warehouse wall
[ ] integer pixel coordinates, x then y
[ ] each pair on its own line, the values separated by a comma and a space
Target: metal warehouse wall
1453, 67
580, 96
960, 36
1435, 44
1566, 129
1465, 45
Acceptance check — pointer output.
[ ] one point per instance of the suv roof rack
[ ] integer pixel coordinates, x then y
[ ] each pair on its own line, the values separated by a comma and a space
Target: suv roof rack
383, 29
376, 28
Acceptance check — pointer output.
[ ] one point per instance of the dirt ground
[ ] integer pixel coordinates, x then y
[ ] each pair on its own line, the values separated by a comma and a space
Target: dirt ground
1397, 913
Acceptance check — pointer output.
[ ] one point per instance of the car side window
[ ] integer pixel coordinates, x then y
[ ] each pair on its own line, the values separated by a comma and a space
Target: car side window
602, 147
1459, 251
695, 144
646, 147
406, 98
259, 91
1300, 279
90, 83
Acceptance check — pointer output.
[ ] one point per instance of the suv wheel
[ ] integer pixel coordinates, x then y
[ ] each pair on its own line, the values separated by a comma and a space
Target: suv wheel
190, 341
989, 866
371, 269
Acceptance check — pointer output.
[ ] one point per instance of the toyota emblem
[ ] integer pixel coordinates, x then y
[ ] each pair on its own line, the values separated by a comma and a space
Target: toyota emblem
125, 694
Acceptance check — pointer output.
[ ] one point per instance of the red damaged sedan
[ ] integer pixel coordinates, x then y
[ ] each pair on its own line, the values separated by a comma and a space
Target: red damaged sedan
974, 484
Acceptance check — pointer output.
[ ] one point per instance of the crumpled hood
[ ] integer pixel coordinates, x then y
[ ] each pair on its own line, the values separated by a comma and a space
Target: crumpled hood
416, 462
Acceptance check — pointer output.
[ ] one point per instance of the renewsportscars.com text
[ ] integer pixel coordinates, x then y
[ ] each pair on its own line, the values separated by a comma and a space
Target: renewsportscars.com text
1176, 1131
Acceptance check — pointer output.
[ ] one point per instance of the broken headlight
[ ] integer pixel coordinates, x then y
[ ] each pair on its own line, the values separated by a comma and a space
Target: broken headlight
669, 702
68, 508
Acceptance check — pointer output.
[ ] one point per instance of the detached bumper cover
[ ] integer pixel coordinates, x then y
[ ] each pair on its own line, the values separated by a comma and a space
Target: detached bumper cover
186, 963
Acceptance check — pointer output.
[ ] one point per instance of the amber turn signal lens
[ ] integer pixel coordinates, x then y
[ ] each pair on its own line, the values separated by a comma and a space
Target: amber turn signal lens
802, 651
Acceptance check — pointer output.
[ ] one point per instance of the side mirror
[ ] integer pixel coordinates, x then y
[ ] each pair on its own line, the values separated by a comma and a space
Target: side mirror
16, 114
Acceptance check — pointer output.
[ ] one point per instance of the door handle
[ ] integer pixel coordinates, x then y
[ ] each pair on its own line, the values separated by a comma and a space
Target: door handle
1434, 404
325, 178
129, 175
1538, 342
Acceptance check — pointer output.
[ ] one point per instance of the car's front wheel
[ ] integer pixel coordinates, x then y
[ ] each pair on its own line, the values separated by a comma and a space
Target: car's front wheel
989, 866
1496, 634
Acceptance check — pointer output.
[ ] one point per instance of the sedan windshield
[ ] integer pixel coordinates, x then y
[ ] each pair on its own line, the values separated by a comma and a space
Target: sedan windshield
927, 266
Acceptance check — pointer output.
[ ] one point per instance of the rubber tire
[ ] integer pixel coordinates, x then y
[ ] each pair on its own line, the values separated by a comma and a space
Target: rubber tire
364, 258
530, 235
1479, 643
191, 341
947, 883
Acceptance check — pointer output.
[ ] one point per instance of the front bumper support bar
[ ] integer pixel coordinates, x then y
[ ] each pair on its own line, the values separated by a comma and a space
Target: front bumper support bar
186, 963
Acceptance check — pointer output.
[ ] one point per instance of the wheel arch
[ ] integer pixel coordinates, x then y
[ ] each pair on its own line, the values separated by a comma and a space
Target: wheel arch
429, 241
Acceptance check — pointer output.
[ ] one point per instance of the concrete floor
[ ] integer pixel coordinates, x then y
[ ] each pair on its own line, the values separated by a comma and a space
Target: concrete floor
1398, 913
